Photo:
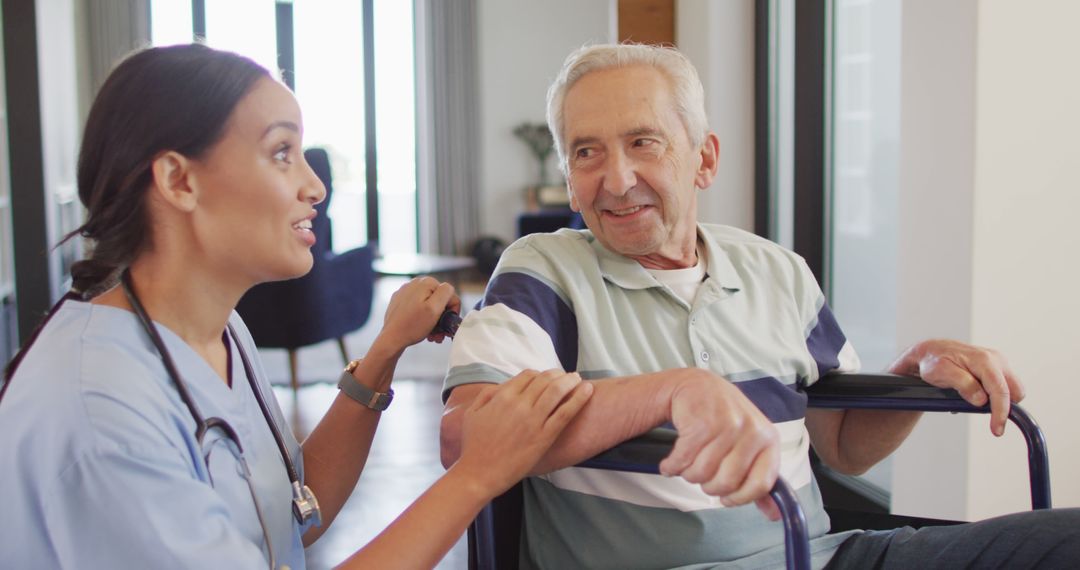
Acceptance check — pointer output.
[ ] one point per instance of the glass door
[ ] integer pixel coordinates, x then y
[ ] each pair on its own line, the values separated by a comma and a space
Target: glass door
320, 48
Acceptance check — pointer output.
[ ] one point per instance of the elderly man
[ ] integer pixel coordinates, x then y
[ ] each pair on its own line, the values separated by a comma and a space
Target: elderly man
704, 326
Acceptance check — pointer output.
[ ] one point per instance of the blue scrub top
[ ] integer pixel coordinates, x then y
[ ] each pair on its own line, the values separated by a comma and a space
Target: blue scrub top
99, 464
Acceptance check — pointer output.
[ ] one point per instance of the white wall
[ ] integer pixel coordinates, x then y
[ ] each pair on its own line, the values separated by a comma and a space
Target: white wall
934, 240
987, 250
718, 37
522, 44
1026, 264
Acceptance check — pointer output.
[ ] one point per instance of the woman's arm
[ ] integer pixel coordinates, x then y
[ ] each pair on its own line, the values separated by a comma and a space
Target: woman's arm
507, 429
338, 447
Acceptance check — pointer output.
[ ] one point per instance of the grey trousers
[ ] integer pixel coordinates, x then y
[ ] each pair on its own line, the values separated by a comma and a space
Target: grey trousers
1036, 539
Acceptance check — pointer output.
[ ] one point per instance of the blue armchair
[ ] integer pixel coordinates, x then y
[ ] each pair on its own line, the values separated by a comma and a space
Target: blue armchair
333, 299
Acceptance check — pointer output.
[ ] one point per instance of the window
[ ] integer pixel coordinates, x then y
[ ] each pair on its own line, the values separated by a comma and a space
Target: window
828, 163
8, 334
865, 149
320, 48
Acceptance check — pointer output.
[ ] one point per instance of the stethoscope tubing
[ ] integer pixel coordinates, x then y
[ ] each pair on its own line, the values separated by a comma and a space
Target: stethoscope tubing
201, 424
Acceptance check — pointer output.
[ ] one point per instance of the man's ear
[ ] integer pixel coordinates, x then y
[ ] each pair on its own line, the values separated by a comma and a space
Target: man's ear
174, 180
710, 161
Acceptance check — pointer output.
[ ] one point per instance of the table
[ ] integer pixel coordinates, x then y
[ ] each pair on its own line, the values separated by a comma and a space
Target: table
414, 264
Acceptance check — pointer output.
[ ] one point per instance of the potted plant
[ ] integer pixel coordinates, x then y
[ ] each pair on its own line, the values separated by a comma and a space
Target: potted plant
541, 144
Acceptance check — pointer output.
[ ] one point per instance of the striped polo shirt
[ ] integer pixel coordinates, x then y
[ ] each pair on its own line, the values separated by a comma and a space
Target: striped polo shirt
759, 319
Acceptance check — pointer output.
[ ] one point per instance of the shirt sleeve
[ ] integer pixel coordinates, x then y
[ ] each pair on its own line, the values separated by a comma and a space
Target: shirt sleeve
826, 343
524, 321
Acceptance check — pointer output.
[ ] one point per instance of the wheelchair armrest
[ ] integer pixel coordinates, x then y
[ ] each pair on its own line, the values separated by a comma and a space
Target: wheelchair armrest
884, 391
643, 454
893, 392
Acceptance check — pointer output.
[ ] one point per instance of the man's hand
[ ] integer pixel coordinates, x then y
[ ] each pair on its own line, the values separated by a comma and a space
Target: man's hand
725, 443
980, 375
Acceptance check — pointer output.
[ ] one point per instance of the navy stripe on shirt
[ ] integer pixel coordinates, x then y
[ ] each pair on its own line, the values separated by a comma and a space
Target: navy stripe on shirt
779, 402
825, 341
536, 300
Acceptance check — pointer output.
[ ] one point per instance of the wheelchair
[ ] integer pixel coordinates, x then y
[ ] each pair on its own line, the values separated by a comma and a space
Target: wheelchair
494, 537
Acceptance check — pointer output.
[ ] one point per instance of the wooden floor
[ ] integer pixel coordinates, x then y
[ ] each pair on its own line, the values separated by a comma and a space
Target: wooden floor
404, 458
404, 462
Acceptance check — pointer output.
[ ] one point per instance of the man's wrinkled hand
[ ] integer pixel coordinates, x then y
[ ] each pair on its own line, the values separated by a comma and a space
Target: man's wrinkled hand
980, 375
725, 443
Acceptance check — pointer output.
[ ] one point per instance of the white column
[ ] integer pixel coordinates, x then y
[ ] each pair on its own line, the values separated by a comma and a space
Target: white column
718, 37
987, 242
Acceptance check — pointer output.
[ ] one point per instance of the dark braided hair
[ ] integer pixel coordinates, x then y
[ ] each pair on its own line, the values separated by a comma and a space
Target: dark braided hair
176, 98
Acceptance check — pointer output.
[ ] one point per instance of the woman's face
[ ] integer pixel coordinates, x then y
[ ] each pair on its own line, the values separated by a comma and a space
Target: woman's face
256, 192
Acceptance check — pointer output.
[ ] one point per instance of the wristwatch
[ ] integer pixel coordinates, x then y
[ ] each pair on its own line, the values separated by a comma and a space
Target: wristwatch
352, 388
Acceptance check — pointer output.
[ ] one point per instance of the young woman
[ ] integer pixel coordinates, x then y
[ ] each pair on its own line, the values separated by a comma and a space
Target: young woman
138, 428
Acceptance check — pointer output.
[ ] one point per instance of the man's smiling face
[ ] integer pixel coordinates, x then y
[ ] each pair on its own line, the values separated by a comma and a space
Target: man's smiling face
633, 172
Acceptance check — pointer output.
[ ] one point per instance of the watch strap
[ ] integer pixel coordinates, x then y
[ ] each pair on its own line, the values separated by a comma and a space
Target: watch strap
352, 388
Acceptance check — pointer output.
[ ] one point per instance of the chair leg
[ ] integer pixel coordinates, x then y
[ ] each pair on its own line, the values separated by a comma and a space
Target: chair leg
344, 351
293, 380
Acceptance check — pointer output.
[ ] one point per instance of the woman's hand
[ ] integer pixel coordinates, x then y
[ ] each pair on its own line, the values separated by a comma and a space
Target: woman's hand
414, 309
509, 427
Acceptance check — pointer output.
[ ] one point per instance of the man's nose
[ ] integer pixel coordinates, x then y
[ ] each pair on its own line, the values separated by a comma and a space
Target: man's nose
619, 174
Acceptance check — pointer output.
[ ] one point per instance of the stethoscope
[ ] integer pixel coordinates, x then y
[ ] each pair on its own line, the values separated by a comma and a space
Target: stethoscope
305, 506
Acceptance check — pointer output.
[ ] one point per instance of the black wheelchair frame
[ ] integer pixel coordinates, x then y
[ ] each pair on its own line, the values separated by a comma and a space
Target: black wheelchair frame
494, 537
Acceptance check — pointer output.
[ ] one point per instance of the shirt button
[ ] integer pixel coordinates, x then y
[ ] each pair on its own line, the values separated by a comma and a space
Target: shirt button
704, 356
693, 321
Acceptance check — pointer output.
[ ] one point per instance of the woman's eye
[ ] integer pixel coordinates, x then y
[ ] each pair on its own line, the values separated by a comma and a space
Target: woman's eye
282, 154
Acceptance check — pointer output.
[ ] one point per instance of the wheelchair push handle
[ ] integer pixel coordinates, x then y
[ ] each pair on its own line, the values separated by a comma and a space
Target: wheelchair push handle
796, 534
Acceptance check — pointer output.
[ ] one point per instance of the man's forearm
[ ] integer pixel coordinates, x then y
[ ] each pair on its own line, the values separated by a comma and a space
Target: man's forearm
852, 441
619, 409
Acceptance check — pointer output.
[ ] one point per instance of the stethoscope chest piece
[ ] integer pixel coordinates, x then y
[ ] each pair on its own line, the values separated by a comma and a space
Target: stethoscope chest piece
305, 505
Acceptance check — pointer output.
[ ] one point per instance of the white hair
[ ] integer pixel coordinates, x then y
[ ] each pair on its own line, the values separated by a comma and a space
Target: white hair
682, 77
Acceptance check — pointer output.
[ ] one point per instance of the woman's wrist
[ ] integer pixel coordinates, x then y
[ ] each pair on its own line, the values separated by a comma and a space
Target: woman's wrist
471, 483
376, 369
387, 348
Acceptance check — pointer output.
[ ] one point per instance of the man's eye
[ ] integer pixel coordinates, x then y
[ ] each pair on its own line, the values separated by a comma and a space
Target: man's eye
584, 152
642, 142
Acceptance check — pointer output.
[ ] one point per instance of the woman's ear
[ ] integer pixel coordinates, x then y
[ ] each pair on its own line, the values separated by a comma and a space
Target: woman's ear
173, 180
